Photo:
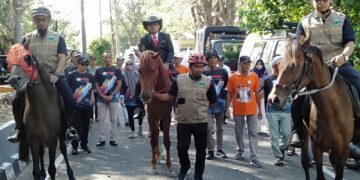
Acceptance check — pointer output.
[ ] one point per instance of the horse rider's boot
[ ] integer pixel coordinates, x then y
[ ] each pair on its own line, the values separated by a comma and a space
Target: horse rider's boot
71, 134
295, 140
355, 149
14, 136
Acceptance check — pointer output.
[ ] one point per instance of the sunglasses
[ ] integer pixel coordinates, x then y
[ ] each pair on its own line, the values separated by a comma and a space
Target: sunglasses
129, 64
38, 20
84, 64
321, 0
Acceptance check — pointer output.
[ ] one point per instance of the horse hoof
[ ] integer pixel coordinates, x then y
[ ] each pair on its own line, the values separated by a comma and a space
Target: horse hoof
154, 172
171, 173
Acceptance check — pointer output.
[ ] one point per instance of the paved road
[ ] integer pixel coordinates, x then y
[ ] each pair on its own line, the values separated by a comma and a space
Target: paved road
131, 160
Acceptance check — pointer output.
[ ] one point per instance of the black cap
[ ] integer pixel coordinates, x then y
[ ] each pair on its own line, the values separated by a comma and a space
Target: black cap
41, 11
244, 59
211, 53
83, 59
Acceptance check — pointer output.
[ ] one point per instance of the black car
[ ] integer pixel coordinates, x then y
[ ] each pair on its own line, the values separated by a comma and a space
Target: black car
4, 75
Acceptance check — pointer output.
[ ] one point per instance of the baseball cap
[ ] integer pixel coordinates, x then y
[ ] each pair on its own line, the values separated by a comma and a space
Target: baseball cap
244, 59
276, 60
211, 53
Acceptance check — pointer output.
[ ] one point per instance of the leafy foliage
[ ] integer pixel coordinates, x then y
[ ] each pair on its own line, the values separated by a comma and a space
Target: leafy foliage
6, 32
97, 48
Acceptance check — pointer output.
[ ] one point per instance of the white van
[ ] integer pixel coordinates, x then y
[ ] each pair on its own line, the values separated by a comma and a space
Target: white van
264, 47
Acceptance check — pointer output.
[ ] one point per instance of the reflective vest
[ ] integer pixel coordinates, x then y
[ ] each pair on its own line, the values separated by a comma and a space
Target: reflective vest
45, 50
325, 33
192, 100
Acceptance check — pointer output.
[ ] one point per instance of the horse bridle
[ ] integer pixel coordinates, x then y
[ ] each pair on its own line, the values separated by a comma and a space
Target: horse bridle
307, 71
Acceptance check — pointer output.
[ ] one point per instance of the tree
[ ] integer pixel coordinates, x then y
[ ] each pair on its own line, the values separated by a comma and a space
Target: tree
6, 27
65, 29
19, 6
83, 32
97, 48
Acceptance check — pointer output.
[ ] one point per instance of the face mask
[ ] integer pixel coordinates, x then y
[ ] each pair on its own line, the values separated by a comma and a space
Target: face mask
259, 67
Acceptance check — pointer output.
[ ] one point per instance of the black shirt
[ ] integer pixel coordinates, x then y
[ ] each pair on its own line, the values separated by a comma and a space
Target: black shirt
81, 85
219, 79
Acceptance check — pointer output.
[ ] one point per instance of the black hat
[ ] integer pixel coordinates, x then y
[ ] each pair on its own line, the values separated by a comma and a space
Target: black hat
83, 59
211, 53
244, 59
41, 11
152, 20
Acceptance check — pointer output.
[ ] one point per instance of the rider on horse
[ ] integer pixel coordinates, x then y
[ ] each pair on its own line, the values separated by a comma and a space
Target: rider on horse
44, 44
331, 31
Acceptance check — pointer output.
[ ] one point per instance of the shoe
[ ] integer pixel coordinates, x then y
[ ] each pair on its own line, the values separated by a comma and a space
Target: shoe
290, 152
126, 123
238, 156
100, 143
14, 136
113, 143
140, 132
132, 135
183, 176
86, 149
255, 163
279, 162
210, 155
74, 151
221, 153
71, 134
295, 140
354, 149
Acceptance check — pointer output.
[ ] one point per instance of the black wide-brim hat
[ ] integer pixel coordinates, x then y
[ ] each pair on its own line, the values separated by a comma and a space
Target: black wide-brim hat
151, 20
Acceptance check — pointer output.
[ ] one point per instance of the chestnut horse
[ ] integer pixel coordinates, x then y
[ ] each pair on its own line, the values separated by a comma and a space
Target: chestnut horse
155, 78
42, 112
331, 123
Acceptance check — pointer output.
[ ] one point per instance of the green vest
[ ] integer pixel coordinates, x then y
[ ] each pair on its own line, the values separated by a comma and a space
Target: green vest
194, 109
328, 34
45, 50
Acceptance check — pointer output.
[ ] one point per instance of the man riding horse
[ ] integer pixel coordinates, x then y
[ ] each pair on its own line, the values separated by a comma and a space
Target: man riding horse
331, 31
44, 44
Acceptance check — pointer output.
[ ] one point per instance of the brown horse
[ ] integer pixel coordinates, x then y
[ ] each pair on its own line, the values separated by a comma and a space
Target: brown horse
331, 115
42, 113
155, 78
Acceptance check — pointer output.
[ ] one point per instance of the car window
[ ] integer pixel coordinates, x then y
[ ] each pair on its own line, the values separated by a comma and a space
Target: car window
267, 51
257, 51
280, 47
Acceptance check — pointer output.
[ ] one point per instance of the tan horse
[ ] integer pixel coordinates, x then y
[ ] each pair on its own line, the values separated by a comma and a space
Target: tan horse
331, 115
155, 78
42, 112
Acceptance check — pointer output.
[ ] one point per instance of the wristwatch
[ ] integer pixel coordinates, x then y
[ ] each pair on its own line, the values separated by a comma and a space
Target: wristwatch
346, 57
57, 73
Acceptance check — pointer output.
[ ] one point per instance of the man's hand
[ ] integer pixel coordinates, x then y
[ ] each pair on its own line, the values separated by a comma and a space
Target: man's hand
54, 78
166, 65
338, 60
259, 115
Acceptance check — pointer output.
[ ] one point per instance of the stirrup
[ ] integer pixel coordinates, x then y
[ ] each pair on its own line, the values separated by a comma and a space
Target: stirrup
71, 134
14, 136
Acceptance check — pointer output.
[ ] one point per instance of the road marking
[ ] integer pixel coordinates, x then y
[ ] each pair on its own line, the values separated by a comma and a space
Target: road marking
5, 125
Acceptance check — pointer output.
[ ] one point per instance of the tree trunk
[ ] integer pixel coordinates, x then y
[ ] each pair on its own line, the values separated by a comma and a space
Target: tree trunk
83, 31
18, 13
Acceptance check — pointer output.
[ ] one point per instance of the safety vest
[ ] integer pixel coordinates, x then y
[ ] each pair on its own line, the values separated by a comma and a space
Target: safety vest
45, 50
192, 100
325, 33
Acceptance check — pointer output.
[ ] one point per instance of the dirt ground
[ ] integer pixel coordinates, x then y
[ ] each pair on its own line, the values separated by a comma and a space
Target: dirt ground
5, 109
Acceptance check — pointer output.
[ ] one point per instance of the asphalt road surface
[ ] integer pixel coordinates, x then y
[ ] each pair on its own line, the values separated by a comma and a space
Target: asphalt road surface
131, 160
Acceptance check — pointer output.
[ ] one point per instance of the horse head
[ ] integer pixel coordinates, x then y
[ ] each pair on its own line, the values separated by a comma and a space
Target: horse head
295, 71
23, 67
151, 67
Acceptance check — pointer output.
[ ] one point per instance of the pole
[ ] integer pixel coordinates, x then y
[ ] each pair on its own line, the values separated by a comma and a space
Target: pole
112, 32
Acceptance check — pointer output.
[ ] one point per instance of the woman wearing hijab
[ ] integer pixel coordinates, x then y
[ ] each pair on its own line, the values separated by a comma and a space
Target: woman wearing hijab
260, 70
131, 91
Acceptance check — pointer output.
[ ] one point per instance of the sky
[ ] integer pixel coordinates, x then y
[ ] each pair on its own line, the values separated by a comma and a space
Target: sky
70, 10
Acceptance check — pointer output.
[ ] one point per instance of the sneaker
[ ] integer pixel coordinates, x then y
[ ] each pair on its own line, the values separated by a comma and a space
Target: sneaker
113, 143
74, 151
255, 163
183, 176
238, 156
279, 162
140, 132
221, 153
100, 143
86, 149
132, 135
210, 155
290, 152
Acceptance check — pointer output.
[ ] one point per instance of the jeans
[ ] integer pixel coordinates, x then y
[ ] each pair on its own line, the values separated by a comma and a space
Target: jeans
65, 91
218, 120
351, 74
252, 125
184, 132
280, 127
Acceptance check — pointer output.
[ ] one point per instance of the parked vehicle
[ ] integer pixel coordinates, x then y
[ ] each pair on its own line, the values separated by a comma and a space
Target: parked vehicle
265, 47
4, 75
226, 40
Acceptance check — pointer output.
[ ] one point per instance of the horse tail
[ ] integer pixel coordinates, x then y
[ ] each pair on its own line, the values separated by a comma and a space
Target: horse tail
23, 146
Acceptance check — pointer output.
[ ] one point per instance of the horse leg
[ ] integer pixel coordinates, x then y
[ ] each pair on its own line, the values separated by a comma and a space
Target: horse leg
318, 156
63, 151
154, 141
341, 158
52, 156
42, 166
305, 157
167, 144
34, 146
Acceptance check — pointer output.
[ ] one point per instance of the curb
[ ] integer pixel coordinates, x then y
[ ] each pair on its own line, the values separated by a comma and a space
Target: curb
10, 170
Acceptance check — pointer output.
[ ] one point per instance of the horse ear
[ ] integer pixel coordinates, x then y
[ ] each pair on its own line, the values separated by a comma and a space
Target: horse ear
305, 39
156, 55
